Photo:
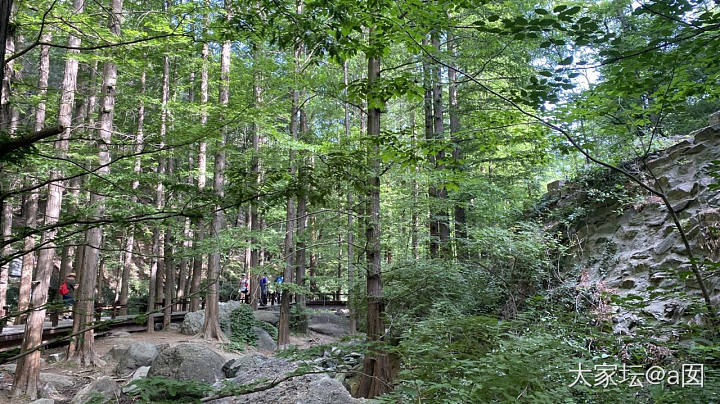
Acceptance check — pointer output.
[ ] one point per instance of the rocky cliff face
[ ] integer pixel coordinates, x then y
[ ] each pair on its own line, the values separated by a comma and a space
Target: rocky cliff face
633, 249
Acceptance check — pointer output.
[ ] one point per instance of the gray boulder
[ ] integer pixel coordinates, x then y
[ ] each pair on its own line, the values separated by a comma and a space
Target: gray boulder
269, 316
104, 386
329, 324
9, 367
188, 361
139, 353
252, 368
43, 401
57, 381
264, 341
329, 329
193, 322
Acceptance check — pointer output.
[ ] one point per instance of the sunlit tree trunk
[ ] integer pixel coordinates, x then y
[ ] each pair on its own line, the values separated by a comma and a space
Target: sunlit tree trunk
26, 380
211, 326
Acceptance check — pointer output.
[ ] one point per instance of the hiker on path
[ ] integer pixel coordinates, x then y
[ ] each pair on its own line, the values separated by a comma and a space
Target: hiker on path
244, 289
264, 290
67, 291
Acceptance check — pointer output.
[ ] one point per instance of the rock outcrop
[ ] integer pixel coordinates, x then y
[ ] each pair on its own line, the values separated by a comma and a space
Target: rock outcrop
306, 389
636, 251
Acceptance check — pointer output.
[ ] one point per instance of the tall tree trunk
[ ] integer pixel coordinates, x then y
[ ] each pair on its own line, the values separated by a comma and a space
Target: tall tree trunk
284, 321
6, 230
26, 380
253, 217
158, 263
84, 345
302, 224
31, 203
438, 129
8, 76
350, 222
7, 112
184, 265
198, 262
414, 185
433, 223
376, 364
457, 154
72, 255
211, 326
127, 264
169, 263
6, 7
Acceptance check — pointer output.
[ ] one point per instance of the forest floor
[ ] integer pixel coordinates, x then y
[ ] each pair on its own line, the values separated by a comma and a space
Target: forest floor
68, 378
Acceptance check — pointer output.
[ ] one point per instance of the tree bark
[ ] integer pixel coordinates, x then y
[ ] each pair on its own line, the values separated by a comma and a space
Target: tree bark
26, 380
376, 363
211, 326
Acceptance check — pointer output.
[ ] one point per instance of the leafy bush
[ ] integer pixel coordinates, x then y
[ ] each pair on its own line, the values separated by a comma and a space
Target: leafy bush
242, 321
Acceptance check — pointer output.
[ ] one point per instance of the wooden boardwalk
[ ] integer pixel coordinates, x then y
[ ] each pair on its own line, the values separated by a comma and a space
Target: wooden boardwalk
12, 335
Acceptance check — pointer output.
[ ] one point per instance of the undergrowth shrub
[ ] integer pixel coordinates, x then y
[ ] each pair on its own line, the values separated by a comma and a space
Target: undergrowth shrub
242, 322
164, 390
529, 359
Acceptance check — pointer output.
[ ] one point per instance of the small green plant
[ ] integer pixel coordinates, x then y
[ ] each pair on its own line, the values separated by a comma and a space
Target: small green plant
164, 390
